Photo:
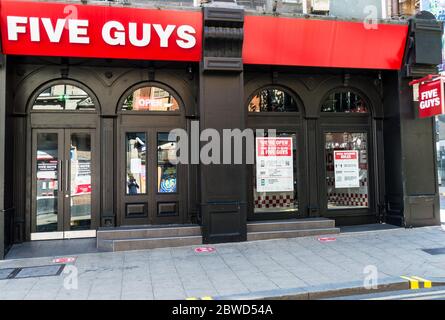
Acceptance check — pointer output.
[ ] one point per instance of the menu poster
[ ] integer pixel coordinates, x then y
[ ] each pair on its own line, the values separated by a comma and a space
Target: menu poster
346, 169
274, 165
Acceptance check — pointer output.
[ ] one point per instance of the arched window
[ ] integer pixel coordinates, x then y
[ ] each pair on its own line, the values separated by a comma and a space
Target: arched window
344, 101
150, 98
272, 100
63, 97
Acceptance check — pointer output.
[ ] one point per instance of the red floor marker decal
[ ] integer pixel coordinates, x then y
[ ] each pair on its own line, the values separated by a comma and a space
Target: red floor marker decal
64, 260
204, 249
327, 239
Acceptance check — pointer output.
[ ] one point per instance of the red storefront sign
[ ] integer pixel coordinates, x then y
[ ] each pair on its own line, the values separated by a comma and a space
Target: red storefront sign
94, 31
431, 98
322, 43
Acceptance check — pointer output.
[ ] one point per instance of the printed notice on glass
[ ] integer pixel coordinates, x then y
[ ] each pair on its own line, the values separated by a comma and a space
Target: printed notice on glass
274, 165
346, 169
135, 165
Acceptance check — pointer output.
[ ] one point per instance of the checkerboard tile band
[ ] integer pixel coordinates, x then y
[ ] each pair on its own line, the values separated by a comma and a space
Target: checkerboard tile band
349, 199
278, 201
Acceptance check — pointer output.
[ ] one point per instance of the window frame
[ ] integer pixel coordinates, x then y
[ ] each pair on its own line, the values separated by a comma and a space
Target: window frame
274, 113
41, 89
342, 114
157, 85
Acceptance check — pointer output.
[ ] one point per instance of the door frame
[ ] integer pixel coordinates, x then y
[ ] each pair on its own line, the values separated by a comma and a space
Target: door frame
64, 181
52, 121
351, 123
289, 123
152, 197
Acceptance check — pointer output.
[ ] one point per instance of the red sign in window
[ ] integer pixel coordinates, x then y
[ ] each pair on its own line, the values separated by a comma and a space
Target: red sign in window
274, 147
346, 155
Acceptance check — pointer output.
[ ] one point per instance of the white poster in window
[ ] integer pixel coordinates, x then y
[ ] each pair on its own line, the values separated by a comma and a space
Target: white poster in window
346, 169
135, 165
274, 165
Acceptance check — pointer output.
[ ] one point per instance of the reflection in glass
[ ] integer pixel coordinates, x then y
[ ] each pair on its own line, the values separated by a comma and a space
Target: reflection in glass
63, 97
272, 100
136, 163
284, 201
346, 197
344, 101
47, 182
150, 99
167, 172
80, 181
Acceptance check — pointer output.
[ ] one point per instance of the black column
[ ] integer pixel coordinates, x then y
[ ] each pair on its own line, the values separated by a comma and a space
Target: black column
108, 180
223, 186
2, 153
412, 197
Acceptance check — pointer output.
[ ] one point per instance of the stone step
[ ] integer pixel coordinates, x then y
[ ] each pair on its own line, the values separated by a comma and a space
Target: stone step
147, 243
148, 232
294, 224
264, 235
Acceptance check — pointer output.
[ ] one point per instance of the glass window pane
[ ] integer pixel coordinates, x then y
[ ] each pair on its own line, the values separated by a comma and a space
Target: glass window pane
80, 182
167, 172
47, 182
277, 174
63, 97
136, 163
150, 99
272, 100
344, 101
346, 170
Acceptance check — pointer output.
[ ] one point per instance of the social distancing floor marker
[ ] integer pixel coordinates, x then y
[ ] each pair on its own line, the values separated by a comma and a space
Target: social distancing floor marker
414, 282
201, 298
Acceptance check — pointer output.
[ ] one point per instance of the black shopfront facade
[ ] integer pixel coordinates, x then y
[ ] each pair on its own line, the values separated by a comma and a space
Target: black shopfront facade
85, 139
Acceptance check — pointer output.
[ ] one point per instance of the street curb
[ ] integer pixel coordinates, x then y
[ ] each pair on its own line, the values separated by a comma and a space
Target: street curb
328, 291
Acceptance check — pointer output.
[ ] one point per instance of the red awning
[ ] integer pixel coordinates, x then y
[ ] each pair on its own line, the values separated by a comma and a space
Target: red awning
322, 43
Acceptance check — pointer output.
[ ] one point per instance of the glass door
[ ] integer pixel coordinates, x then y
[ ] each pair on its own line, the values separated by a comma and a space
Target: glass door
47, 193
63, 184
346, 175
275, 177
78, 183
151, 181
168, 182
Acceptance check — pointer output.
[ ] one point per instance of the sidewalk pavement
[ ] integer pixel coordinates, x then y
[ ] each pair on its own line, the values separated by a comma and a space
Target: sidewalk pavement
238, 270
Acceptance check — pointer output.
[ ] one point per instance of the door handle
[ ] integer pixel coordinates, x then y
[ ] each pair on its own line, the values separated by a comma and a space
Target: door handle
59, 177
67, 168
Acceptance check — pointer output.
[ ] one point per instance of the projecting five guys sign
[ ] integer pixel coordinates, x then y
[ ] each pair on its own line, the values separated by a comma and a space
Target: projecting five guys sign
53, 29
429, 93
431, 99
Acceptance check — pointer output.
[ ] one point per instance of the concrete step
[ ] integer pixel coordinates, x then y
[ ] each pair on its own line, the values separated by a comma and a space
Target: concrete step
294, 224
147, 243
148, 232
264, 235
